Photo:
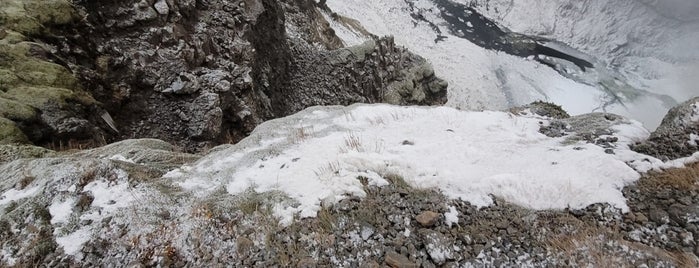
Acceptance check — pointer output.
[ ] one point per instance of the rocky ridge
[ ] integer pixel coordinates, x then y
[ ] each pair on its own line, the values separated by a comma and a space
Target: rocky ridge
115, 202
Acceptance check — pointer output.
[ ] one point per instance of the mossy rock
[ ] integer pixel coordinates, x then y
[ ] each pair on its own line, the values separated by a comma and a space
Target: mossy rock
51, 12
14, 110
11, 37
31, 16
39, 97
7, 79
43, 73
17, 65
10, 152
10, 133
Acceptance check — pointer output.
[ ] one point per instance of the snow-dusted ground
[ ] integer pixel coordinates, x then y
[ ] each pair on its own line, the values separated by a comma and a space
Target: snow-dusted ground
635, 46
316, 156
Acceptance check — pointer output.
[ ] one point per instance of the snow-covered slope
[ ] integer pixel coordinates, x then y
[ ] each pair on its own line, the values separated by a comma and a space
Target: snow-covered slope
644, 61
317, 155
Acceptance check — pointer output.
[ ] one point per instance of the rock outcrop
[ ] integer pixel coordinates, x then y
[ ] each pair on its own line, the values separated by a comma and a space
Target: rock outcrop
41, 101
201, 73
678, 134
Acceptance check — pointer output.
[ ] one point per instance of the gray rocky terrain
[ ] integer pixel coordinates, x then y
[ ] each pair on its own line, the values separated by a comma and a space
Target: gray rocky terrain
101, 100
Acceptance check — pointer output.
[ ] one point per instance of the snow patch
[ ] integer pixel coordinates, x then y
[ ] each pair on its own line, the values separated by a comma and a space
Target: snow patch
467, 155
121, 158
693, 138
14, 195
60, 211
452, 216
73, 242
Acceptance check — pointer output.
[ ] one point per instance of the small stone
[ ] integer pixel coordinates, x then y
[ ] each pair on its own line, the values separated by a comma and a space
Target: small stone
427, 218
659, 216
370, 264
640, 218
161, 7
396, 260
307, 262
244, 245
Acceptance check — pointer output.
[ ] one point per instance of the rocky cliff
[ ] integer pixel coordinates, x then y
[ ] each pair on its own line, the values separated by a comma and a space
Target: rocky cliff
195, 73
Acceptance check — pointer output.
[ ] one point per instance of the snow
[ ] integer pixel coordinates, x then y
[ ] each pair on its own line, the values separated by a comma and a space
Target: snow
121, 158
693, 138
73, 242
472, 72
7, 257
646, 58
467, 155
652, 43
451, 217
60, 211
14, 195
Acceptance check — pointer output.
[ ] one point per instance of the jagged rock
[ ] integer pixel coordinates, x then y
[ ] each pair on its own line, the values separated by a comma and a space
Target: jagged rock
597, 128
206, 117
265, 59
438, 246
678, 134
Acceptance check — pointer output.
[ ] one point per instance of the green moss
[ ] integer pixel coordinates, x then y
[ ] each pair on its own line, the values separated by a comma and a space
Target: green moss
10, 133
43, 73
12, 37
51, 12
7, 78
10, 152
39, 97
30, 16
16, 111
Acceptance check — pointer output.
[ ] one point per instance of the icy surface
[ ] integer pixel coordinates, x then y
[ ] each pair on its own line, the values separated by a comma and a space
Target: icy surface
467, 155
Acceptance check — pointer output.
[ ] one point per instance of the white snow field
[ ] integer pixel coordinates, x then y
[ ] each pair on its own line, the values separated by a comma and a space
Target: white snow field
316, 156
650, 59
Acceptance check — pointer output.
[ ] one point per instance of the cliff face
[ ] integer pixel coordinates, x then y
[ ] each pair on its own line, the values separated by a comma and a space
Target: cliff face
200, 73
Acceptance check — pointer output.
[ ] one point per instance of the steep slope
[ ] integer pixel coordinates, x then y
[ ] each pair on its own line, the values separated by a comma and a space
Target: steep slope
636, 72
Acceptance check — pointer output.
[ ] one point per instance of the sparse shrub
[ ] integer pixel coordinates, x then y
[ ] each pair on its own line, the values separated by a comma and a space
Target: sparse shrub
24, 181
11, 207
330, 169
680, 178
41, 213
397, 181
84, 202
5, 229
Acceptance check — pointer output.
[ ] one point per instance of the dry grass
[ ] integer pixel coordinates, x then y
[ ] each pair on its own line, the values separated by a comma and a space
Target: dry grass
300, 134
686, 178
326, 220
397, 181
353, 143
328, 170
75, 145
588, 245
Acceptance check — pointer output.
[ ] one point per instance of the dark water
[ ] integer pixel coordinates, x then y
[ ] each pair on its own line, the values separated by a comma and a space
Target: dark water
487, 34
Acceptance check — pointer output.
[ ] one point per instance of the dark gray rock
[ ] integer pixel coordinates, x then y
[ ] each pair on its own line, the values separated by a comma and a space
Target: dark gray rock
541, 108
672, 139
161, 60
